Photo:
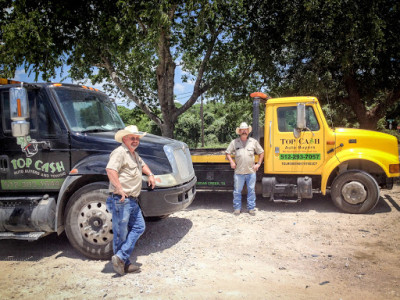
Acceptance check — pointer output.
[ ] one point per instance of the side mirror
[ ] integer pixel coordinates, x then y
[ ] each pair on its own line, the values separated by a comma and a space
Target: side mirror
19, 112
301, 120
301, 116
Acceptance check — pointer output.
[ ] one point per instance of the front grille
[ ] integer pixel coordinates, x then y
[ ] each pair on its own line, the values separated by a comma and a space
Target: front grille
184, 162
179, 156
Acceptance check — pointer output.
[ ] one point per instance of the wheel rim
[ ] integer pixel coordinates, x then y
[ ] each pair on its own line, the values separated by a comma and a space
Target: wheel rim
95, 223
354, 192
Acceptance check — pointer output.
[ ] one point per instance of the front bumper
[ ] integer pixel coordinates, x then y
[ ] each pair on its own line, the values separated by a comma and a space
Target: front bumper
161, 202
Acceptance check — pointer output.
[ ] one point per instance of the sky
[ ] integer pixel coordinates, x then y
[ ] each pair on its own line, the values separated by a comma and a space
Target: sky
182, 90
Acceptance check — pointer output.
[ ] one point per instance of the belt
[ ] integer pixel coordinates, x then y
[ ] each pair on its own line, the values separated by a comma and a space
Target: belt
134, 198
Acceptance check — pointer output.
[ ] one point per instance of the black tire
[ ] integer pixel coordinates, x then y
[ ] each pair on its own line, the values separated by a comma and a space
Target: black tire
355, 192
88, 222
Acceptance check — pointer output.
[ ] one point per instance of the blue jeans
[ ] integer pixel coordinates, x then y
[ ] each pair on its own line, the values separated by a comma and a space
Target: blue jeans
239, 180
127, 224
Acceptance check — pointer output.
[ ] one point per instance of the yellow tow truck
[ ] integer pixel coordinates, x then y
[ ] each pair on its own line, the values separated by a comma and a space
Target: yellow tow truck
303, 155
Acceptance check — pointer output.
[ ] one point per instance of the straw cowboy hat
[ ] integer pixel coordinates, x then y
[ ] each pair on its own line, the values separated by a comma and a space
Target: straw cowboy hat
243, 125
131, 129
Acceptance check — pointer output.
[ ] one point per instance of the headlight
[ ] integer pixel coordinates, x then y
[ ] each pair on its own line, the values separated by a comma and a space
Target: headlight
163, 181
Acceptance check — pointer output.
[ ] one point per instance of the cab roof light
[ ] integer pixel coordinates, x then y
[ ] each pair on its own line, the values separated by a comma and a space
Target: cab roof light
57, 84
259, 95
90, 88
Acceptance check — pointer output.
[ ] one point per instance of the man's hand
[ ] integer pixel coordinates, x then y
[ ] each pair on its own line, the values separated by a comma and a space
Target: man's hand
151, 181
121, 193
113, 177
231, 161
256, 167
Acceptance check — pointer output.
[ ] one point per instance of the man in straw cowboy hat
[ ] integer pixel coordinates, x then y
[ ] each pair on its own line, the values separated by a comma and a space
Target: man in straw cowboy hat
124, 171
244, 148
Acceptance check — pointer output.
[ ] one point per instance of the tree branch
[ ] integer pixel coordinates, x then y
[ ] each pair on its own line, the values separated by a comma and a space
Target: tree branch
141, 24
197, 90
116, 79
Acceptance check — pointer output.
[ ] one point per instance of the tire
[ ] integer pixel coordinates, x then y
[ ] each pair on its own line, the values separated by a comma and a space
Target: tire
355, 192
88, 222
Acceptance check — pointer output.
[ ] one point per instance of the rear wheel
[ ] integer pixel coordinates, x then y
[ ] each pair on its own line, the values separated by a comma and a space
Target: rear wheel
355, 192
88, 222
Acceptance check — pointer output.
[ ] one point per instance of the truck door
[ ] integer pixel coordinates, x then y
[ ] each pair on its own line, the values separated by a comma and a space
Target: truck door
41, 162
303, 155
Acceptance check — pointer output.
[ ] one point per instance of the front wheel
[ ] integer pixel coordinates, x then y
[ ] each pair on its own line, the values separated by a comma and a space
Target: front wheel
88, 222
355, 192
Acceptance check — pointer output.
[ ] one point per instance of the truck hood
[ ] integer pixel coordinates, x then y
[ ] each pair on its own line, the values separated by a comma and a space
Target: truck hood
162, 155
367, 139
104, 141
86, 146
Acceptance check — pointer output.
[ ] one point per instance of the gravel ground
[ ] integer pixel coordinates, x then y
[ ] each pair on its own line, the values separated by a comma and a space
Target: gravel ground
309, 250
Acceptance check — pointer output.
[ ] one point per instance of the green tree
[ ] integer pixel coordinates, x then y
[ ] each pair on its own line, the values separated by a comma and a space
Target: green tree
134, 46
347, 51
220, 122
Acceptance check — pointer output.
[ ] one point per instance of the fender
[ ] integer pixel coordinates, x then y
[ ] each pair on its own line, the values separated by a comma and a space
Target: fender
380, 158
93, 165
332, 163
90, 165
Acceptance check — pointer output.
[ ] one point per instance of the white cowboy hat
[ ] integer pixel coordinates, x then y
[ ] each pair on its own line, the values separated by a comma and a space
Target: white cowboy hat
243, 125
131, 129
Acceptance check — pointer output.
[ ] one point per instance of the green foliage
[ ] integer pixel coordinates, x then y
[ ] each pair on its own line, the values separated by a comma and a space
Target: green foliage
132, 47
344, 51
188, 129
348, 51
137, 117
220, 122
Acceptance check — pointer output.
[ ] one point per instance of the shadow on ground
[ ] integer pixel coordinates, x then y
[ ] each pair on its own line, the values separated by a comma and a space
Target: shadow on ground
167, 232
319, 203
158, 236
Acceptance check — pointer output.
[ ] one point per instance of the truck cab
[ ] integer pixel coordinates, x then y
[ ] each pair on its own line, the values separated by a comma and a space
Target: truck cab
55, 145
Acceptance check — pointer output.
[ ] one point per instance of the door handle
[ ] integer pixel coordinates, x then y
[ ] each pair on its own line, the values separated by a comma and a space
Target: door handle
270, 141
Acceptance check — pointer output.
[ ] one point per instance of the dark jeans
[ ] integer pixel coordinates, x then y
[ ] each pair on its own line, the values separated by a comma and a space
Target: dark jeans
127, 224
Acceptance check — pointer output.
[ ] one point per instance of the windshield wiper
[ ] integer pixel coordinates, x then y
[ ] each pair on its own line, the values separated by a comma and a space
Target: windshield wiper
95, 130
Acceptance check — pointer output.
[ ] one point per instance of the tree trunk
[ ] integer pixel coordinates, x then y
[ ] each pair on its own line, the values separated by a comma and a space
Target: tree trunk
368, 119
165, 83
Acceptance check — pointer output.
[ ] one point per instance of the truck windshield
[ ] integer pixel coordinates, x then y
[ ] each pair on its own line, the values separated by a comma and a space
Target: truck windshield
88, 111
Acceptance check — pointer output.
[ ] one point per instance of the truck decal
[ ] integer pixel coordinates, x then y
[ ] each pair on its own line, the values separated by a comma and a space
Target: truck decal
301, 141
38, 167
33, 184
211, 183
297, 163
300, 156
28, 146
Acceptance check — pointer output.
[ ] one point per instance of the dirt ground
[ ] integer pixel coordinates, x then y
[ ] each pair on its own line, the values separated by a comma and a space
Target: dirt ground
309, 250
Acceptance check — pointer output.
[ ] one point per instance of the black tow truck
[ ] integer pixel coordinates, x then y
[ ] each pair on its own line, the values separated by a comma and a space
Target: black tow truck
55, 141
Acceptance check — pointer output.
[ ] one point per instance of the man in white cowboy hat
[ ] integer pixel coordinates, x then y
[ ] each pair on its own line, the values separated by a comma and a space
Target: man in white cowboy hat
245, 167
124, 171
